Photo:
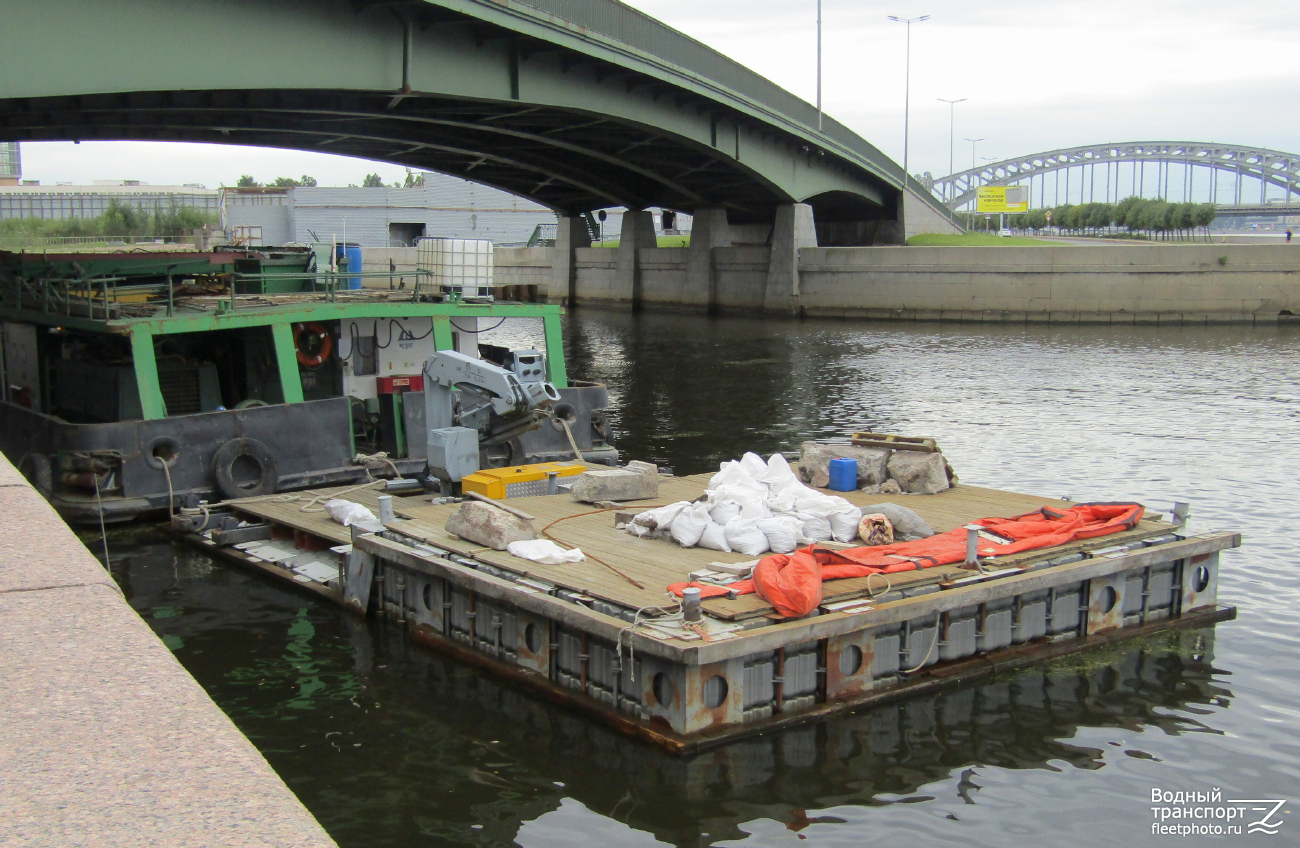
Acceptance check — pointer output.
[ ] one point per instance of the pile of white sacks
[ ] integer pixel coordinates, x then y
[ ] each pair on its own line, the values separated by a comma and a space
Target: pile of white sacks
752, 507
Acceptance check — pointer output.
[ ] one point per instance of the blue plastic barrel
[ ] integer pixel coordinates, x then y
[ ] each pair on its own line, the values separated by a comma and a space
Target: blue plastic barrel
844, 475
349, 252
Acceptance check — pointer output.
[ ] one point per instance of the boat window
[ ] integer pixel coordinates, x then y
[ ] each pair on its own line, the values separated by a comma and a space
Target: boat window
90, 377
219, 369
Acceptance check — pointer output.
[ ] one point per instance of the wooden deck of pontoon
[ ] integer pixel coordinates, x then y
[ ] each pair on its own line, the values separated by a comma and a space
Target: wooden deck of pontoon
658, 563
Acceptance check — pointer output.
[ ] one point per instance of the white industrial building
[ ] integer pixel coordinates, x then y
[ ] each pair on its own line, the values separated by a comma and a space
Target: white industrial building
381, 217
60, 202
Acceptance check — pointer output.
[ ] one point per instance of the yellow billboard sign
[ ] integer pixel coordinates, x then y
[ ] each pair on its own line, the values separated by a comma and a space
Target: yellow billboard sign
1010, 199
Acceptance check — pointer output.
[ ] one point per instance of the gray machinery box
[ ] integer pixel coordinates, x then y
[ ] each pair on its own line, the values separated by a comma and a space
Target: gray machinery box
453, 452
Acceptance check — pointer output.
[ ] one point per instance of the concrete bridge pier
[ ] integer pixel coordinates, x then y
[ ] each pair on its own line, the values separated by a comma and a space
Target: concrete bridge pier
793, 228
638, 232
709, 229
571, 233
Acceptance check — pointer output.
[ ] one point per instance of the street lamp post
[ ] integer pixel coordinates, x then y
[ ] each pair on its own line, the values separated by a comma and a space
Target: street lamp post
819, 65
907, 86
1002, 217
973, 142
952, 108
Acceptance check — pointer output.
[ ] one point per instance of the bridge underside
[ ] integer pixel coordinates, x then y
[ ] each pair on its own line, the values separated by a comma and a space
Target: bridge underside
568, 161
573, 124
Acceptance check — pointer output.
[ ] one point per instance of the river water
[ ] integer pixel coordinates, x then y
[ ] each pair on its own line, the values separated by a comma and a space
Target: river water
389, 744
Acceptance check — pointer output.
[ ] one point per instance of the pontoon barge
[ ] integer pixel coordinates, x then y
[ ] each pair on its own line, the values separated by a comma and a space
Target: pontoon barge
584, 635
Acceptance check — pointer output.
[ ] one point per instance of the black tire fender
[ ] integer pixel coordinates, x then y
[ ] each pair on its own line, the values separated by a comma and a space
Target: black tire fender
244, 468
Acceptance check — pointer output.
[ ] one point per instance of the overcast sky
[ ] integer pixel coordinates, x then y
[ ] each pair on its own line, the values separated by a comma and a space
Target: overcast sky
1038, 75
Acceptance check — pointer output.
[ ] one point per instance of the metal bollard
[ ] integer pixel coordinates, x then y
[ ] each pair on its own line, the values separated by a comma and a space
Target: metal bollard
972, 545
552, 482
691, 604
386, 509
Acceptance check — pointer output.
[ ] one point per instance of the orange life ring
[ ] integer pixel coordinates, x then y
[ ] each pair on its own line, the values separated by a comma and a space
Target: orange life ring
312, 360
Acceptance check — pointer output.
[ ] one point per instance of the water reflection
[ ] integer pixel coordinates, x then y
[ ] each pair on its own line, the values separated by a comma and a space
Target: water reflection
391, 744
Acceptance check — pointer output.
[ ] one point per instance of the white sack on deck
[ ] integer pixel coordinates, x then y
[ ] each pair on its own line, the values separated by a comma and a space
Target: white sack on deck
714, 538
348, 513
782, 533
689, 525
744, 537
725, 510
813, 528
544, 551
656, 521
756, 493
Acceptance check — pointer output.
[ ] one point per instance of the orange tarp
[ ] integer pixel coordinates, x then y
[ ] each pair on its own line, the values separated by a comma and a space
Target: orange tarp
792, 583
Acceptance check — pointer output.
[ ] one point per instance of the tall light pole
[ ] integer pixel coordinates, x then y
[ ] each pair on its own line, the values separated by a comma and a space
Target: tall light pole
952, 109
819, 65
973, 142
907, 86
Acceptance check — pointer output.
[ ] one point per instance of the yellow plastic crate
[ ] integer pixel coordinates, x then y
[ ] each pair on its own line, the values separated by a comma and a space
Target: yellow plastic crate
517, 481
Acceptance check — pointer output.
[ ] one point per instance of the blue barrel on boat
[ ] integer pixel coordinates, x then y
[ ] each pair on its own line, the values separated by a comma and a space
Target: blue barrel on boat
844, 475
349, 253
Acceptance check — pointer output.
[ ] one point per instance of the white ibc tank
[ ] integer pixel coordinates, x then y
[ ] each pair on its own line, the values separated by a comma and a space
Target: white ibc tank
463, 265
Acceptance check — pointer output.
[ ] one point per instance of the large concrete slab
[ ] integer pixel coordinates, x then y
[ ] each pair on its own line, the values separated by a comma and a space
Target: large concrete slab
107, 740
104, 738
10, 476
37, 549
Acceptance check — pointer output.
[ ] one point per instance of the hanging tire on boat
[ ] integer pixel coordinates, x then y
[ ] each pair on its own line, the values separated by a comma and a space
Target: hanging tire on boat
313, 344
244, 468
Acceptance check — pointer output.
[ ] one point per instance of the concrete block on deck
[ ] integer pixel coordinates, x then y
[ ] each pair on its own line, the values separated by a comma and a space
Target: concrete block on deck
615, 484
489, 526
919, 473
815, 458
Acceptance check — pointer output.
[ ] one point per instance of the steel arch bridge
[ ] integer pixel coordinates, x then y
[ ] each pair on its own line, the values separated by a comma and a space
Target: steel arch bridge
1268, 167
576, 104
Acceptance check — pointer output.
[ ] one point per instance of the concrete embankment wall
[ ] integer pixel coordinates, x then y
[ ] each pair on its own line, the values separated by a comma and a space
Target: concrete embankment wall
522, 266
1164, 284
104, 738
1106, 283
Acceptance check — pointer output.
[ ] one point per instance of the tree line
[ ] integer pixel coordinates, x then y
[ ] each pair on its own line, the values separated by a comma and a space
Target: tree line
1136, 216
413, 180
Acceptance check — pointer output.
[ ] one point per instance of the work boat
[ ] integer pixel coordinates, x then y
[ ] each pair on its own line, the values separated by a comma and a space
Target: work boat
135, 383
